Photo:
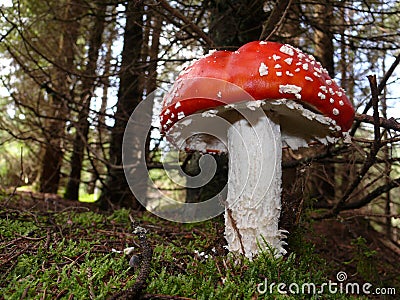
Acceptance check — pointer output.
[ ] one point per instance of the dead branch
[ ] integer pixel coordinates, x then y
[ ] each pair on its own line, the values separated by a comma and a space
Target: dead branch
392, 140
372, 195
140, 284
385, 123
275, 19
380, 88
194, 28
371, 156
372, 215
165, 297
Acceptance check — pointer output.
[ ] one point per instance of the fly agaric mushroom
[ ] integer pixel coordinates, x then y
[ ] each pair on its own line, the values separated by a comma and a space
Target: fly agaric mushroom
300, 104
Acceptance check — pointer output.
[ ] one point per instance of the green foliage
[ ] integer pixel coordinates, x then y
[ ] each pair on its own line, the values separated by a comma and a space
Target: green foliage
162, 181
70, 254
16, 157
90, 198
120, 216
11, 228
364, 259
206, 276
62, 274
67, 262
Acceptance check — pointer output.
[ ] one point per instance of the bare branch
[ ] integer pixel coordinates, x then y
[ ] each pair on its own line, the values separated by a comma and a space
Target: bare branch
372, 195
371, 158
275, 19
196, 29
385, 123
380, 88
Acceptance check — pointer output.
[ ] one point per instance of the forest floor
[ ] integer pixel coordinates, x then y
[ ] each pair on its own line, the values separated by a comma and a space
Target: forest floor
51, 248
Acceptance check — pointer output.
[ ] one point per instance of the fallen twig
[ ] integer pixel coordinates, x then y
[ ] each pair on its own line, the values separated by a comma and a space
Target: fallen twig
90, 283
15, 255
140, 284
165, 297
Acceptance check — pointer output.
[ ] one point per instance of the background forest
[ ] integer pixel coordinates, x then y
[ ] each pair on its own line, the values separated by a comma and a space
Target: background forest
73, 71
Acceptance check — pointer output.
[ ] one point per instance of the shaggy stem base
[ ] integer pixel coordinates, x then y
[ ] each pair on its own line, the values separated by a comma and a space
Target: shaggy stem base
254, 186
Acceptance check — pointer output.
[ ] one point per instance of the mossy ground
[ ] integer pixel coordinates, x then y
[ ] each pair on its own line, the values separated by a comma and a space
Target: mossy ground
76, 254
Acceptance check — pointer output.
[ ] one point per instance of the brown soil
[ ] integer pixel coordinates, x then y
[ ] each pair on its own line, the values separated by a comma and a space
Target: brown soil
354, 247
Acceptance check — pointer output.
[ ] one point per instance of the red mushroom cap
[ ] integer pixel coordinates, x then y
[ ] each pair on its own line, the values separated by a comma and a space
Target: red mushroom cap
266, 71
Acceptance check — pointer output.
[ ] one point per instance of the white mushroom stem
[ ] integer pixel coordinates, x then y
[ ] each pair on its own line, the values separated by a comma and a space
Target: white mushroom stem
254, 186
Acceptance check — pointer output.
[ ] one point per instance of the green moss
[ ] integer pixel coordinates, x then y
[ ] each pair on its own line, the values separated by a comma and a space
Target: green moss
70, 254
364, 259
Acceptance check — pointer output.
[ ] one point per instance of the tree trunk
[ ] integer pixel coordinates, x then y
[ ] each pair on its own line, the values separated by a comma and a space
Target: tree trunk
98, 149
116, 190
153, 51
53, 153
323, 36
88, 85
232, 24
324, 52
235, 22
388, 167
